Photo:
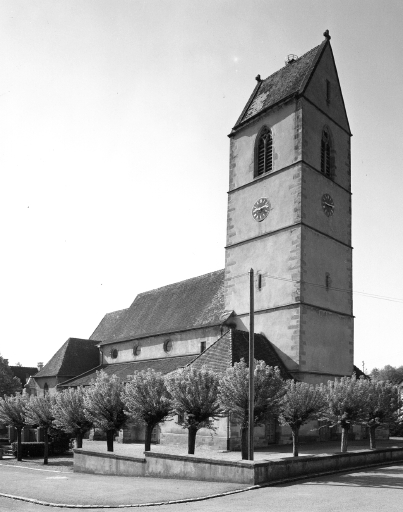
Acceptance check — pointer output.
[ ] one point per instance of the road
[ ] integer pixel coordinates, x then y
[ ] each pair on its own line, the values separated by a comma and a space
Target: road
373, 490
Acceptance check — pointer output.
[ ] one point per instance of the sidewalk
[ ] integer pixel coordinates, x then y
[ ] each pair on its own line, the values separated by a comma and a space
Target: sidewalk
270, 452
57, 484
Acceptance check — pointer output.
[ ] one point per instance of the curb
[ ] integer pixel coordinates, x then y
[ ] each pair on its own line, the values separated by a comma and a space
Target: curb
134, 505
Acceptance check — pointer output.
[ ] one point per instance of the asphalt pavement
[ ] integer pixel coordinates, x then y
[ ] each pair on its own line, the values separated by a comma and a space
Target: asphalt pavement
30, 486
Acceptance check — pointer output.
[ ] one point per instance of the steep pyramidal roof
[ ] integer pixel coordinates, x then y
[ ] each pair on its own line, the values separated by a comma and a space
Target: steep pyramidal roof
75, 356
284, 83
190, 304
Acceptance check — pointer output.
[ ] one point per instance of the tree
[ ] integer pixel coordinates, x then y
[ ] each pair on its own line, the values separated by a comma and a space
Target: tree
9, 384
391, 373
346, 404
104, 405
147, 400
12, 413
69, 414
381, 406
39, 413
301, 403
195, 396
234, 395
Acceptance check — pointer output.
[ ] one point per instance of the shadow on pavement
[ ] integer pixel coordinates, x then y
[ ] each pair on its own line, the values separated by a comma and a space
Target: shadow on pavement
388, 478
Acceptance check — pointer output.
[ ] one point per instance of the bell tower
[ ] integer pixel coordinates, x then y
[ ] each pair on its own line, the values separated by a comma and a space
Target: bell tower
289, 216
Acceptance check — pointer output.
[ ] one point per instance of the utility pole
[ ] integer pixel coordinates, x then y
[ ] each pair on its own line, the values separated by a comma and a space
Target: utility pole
251, 367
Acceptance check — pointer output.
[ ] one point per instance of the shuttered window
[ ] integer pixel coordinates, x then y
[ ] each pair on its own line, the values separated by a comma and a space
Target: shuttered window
325, 164
264, 153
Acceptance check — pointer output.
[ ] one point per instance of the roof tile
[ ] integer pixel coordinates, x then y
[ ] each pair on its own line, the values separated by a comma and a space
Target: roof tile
74, 357
290, 79
190, 304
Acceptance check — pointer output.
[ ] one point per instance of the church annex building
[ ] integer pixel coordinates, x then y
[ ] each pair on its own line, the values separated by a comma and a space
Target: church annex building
288, 218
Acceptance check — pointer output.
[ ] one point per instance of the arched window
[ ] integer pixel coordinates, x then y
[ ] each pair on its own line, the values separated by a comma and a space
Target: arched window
264, 152
325, 156
45, 389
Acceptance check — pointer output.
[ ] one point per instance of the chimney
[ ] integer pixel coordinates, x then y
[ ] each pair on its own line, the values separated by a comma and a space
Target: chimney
40, 366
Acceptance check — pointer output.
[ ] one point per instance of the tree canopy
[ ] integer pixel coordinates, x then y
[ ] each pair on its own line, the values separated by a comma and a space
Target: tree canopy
195, 396
147, 400
104, 405
393, 374
234, 394
301, 403
9, 384
69, 414
346, 402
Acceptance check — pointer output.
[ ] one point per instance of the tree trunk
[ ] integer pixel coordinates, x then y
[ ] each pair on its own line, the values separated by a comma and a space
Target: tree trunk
295, 442
244, 442
344, 438
79, 440
19, 446
372, 440
149, 431
192, 440
46, 440
110, 434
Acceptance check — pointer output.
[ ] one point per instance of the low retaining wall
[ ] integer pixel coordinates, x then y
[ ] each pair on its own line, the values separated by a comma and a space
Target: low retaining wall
245, 472
108, 464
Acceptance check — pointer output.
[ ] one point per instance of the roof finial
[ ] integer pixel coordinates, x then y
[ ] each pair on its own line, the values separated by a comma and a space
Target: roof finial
327, 35
258, 79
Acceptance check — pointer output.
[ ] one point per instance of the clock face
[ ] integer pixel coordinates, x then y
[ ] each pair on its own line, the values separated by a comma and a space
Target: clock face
327, 204
261, 209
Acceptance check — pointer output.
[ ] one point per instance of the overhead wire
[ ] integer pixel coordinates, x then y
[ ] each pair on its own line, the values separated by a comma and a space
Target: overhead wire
346, 290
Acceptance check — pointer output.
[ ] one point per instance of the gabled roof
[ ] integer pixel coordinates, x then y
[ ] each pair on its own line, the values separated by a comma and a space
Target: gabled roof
122, 370
190, 304
232, 347
359, 373
24, 372
74, 357
290, 80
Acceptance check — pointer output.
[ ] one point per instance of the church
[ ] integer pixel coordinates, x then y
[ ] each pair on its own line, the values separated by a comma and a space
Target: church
289, 219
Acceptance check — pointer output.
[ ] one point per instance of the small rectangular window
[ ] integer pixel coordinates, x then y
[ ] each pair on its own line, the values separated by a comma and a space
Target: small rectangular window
327, 91
202, 347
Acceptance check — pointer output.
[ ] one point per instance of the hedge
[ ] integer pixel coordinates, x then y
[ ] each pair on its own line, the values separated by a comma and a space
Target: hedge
56, 447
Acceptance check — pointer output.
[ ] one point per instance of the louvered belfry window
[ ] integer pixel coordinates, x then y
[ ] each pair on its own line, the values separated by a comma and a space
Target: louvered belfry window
325, 166
264, 153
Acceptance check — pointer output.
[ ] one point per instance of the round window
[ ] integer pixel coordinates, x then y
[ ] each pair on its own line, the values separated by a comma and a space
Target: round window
114, 353
168, 346
136, 350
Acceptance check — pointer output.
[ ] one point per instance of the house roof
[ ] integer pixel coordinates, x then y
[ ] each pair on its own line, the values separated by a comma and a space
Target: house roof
74, 357
190, 304
284, 83
233, 346
359, 373
107, 325
24, 372
122, 370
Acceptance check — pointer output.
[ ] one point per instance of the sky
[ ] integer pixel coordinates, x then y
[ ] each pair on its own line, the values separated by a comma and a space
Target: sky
114, 118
